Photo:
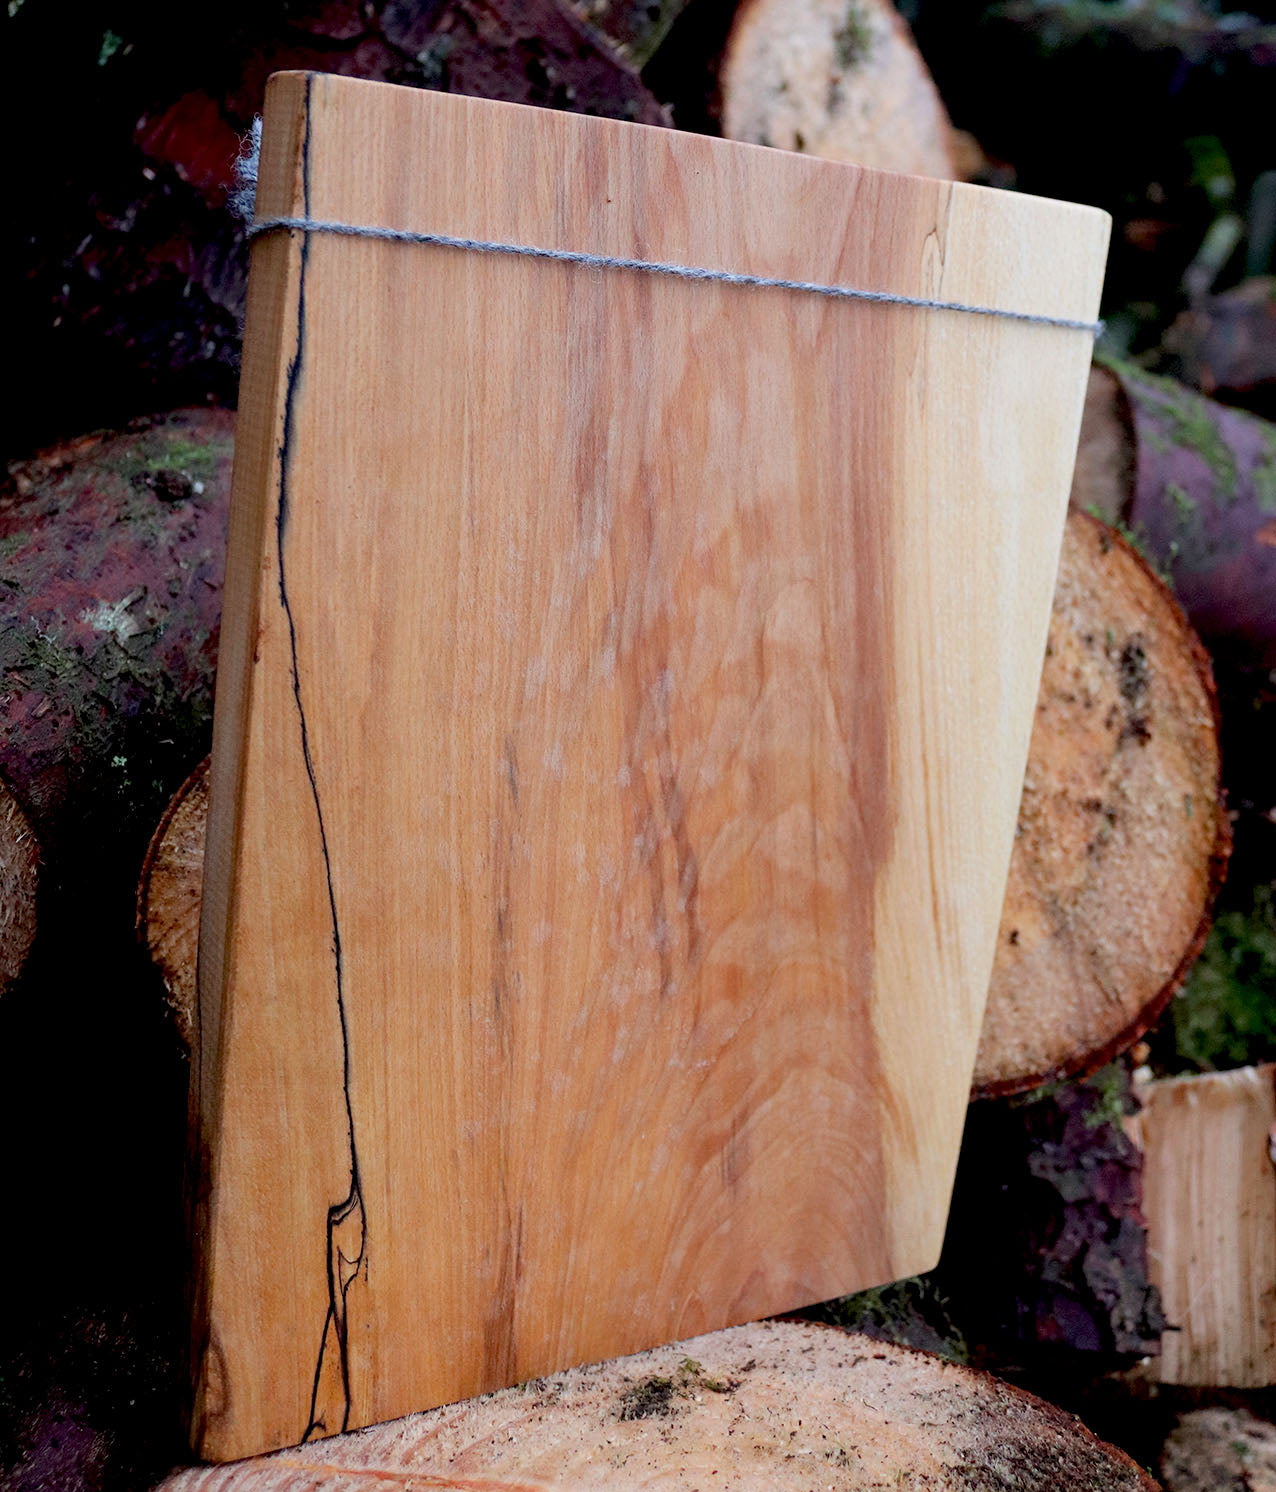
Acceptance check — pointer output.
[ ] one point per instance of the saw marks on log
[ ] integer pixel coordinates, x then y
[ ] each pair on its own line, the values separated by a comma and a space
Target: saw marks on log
781, 1406
606, 833
1123, 833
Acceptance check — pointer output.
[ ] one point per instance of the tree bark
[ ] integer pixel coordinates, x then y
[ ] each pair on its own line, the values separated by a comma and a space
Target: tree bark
778, 1405
108, 642
134, 285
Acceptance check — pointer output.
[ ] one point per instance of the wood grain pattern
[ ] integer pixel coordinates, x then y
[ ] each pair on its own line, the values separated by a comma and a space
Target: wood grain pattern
1209, 1192
624, 699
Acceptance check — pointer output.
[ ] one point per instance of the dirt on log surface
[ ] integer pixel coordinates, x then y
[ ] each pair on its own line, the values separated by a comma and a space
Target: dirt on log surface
1122, 836
762, 1408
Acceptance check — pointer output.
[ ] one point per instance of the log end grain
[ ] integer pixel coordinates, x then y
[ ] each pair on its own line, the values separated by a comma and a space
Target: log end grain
19, 875
168, 897
1103, 478
777, 1405
836, 78
1123, 835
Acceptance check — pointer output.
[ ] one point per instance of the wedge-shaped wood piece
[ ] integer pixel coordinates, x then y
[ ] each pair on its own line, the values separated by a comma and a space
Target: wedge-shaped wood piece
623, 703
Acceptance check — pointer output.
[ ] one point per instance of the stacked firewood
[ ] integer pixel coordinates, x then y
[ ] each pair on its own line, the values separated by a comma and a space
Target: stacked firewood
1110, 1209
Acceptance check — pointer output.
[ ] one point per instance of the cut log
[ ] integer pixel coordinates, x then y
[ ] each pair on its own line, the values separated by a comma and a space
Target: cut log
777, 1405
114, 549
1227, 343
1196, 487
1210, 1201
1122, 835
168, 897
1220, 1450
837, 78
1194, 483
19, 873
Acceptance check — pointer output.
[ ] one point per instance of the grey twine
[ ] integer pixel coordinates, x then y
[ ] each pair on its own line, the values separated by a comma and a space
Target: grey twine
244, 197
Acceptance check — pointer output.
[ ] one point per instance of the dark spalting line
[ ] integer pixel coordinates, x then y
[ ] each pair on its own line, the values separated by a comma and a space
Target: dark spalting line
500, 1343
342, 1268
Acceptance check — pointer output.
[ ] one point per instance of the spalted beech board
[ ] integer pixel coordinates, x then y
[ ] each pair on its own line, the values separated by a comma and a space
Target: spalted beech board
624, 696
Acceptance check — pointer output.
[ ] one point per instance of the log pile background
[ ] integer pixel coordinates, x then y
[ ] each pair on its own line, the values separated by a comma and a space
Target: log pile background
1138, 953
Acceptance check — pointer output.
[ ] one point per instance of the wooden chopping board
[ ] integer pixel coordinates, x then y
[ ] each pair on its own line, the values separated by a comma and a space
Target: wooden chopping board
624, 696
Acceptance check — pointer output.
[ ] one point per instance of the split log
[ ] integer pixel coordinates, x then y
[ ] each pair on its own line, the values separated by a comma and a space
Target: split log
1210, 1200
837, 78
1122, 835
781, 1404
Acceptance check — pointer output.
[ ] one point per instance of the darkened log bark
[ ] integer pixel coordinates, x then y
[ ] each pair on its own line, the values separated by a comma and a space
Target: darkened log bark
134, 269
113, 550
1046, 1251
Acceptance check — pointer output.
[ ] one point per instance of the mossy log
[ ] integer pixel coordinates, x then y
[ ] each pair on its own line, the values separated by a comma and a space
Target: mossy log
1193, 484
779, 1405
114, 547
1122, 836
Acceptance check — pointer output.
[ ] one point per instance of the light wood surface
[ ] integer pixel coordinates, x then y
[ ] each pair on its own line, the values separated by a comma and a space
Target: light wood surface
781, 1406
1123, 832
624, 697
1209, 1193
840, 79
